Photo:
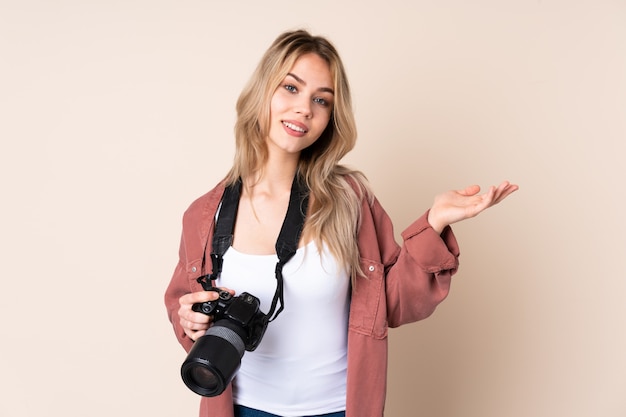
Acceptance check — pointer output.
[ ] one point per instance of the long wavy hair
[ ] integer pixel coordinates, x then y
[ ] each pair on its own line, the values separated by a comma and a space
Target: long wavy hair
337, 192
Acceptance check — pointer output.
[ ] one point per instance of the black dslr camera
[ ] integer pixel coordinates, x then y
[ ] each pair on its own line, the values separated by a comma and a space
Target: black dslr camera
243, 310
238, 325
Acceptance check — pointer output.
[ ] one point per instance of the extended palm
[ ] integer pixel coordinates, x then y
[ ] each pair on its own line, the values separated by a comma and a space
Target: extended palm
453, 206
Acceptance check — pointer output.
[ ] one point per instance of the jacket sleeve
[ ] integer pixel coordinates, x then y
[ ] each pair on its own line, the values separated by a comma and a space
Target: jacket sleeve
418, 273
178, 286
197, 228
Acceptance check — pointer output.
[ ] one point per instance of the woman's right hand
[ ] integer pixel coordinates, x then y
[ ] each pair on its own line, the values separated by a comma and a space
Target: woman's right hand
193, 323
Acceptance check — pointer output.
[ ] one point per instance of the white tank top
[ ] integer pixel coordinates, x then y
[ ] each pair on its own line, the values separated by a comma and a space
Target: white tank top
299, 368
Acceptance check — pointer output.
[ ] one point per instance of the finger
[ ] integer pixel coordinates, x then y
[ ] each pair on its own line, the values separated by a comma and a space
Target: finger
488, 197
187, 315
505, 192
480, 203
195, 322
193, 316
499, 191
195, 335
469, 191
198, 297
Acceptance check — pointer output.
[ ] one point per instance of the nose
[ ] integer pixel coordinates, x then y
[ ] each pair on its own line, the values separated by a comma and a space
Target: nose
303, 107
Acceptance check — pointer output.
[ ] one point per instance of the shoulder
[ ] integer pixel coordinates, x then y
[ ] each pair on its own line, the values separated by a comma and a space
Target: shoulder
357, 182
204, 205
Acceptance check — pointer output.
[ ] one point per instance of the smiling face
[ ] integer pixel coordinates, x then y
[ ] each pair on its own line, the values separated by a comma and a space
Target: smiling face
301, 106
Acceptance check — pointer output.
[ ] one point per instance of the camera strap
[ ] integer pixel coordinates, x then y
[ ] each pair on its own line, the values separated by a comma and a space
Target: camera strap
286, 244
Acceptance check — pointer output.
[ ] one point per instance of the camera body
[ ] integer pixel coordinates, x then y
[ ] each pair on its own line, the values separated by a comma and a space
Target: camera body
242, 311
215, 358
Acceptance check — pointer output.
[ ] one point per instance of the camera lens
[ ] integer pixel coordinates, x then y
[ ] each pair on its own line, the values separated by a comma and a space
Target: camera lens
203, 377
214, 359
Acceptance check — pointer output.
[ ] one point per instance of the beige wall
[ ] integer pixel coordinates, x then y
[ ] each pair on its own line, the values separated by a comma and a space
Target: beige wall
114, 115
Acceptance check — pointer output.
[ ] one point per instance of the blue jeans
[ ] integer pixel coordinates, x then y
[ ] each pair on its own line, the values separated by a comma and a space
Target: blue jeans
241, 411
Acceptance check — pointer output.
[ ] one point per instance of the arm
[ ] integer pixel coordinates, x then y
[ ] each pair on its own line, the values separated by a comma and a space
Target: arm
419, 278
183, 290
178, 287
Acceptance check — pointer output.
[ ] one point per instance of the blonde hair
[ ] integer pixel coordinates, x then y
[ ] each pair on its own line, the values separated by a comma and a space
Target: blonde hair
337, 192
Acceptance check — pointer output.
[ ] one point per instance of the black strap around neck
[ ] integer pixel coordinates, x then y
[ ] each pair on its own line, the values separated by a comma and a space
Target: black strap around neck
286, 244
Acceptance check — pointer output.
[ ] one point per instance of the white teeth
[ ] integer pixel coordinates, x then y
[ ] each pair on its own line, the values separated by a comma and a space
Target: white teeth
294, 127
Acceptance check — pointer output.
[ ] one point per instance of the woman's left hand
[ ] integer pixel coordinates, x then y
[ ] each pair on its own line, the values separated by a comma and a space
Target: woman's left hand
453, 206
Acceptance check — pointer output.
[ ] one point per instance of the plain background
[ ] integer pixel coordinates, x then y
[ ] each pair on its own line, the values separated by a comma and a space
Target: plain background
115, 115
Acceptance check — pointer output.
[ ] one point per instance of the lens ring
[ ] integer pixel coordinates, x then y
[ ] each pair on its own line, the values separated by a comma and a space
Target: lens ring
202, 378
213, 360
229, 335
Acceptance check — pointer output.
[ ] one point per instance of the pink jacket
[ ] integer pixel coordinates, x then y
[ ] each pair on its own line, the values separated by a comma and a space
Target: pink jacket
403, 284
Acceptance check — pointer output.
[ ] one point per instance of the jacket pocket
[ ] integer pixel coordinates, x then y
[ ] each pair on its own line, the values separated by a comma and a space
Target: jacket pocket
368, 306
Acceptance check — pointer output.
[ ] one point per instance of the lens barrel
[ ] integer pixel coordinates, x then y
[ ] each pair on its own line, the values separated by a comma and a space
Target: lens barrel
214, 359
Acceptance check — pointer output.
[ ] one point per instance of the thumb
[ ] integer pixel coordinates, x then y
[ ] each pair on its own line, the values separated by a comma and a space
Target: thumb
471, 190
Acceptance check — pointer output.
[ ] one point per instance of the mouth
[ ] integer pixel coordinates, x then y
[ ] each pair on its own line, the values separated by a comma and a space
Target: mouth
295, 127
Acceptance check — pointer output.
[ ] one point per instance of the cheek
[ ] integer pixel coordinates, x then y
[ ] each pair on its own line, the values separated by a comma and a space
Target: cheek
324, 119
277, 104
276, 109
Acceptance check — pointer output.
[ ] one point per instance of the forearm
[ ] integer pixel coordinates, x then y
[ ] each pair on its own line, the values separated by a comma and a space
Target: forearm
177, 287
420, 278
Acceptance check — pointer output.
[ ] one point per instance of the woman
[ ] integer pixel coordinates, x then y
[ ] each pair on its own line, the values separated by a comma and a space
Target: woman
326, 353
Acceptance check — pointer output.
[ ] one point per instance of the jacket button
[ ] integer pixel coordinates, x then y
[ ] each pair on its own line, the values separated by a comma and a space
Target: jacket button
193, 269
372, 268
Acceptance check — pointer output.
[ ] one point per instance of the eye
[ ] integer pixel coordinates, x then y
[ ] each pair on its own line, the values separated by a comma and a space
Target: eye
321, 101
291, 88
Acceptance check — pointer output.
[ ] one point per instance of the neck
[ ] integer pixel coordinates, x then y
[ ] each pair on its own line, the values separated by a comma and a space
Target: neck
277, 175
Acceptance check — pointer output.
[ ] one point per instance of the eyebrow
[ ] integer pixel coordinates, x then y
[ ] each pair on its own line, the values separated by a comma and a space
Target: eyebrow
301, 81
